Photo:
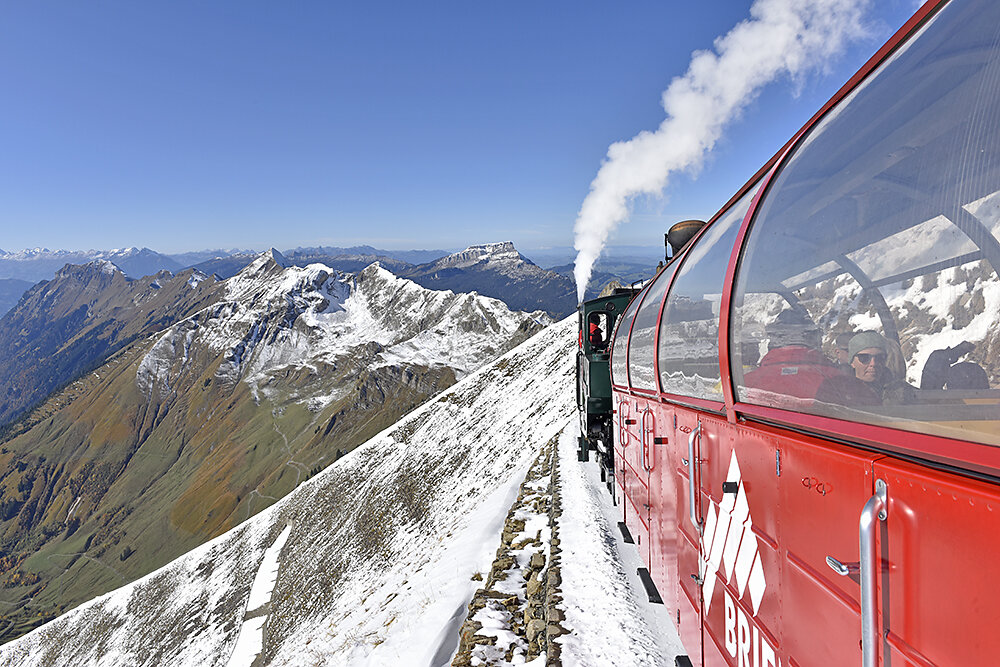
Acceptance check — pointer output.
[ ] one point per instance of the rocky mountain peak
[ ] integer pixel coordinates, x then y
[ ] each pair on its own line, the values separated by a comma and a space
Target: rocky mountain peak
98, 267
269, 260
503, 251
498, 270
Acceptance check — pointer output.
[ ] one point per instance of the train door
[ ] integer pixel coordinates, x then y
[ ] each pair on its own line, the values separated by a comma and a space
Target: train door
688, 436
937, 541
664, 478
636, 491
774, 509
821, 490
740, 559
623, 414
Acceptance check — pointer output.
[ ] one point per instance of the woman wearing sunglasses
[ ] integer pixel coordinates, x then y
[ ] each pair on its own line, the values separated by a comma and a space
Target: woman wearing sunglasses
869, 380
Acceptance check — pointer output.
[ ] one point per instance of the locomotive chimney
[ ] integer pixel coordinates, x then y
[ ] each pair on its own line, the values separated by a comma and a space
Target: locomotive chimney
680, 234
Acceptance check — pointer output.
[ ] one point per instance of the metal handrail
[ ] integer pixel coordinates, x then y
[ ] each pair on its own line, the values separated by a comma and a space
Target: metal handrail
623, 413
644, 435
692, 512
875, 510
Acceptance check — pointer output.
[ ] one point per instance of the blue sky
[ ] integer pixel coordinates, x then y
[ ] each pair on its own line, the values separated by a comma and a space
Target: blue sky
188, 125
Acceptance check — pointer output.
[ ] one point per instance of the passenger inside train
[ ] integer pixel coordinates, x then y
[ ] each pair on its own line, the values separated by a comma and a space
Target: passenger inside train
869, 381
794, 367
885, 222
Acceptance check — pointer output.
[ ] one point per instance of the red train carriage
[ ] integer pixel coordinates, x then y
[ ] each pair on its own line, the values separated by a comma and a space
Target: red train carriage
807, 439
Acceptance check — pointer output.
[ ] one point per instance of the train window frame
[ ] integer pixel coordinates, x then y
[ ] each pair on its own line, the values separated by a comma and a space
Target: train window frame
628, 315
713, 238
652, 305
605, 345
957, 221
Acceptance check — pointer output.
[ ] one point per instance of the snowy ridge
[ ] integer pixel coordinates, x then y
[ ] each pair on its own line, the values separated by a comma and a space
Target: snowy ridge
278, 317
502, 255
487, 252
98, 265
378, 564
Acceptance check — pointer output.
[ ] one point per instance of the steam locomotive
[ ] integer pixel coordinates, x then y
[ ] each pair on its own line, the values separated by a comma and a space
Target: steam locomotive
803, 432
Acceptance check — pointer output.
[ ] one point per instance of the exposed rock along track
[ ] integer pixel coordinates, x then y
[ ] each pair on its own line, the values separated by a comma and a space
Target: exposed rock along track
516, 615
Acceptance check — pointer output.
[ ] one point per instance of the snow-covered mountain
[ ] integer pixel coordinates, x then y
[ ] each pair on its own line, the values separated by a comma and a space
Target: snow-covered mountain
500, 271
367, 538
187, 432
275, 316
374, 560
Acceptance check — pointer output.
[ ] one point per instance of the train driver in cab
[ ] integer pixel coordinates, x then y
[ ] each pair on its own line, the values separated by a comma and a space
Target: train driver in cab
595, 329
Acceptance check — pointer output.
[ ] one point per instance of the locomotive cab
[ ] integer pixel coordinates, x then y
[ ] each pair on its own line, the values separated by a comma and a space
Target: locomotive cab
597, 320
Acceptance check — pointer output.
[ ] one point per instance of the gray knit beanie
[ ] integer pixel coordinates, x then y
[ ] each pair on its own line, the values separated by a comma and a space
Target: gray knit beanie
865, 340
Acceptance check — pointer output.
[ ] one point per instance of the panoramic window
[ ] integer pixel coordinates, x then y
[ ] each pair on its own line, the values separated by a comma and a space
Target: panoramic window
619, 358
868, 287
688, 346
641, 350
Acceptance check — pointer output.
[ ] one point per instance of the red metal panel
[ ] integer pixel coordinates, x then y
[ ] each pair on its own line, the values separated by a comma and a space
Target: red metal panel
743, 619
822, 490
621, 441
940, 543
972, 456
689, 539
663, 494
636, 496
640, 481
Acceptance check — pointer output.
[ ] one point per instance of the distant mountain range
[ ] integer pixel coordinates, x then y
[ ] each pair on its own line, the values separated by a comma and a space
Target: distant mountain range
203, 402
41, 263
497, 270
37, 264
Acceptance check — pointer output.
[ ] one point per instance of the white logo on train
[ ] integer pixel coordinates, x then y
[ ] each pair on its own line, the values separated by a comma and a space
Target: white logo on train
731, 544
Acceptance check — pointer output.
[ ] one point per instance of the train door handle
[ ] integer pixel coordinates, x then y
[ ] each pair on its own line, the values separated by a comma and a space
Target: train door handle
692, 497
644, 434
875, 510
843, 569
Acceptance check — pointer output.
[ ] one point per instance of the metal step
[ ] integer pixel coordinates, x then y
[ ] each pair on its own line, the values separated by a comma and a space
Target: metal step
647, 583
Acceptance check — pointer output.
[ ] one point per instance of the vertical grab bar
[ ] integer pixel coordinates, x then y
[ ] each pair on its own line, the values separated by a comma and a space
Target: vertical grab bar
644, 436
874, 511
622, 416
692, 496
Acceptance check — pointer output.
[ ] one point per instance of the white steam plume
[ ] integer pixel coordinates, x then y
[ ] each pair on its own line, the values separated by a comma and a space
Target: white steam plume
780, 37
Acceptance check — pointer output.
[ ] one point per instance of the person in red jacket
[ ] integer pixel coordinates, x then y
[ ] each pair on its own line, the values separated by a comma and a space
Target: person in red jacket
794, 367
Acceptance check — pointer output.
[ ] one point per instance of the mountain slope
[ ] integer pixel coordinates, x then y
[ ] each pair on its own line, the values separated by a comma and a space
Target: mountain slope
186, 433
11, 290
382, 547
74, 322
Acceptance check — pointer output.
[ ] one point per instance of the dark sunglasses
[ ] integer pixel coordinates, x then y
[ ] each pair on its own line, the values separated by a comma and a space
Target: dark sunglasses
867, 358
